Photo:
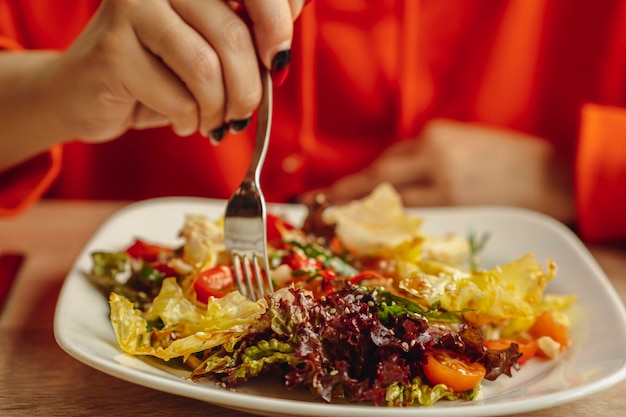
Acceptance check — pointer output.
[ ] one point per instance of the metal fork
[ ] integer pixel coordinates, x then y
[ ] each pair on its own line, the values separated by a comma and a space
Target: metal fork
245, 232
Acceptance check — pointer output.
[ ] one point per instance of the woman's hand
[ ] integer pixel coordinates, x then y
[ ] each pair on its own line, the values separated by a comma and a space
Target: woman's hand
189, 64
455, 164
186, 63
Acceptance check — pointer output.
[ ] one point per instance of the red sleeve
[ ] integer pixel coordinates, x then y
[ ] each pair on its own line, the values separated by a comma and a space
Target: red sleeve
601, 174
25, 183
22, 185
8, 44
10, 36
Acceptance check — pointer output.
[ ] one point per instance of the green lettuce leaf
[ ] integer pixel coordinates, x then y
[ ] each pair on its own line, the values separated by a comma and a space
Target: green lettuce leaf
423, 394
241, 365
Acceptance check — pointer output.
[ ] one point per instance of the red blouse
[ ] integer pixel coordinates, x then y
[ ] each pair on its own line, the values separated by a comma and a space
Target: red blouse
364, 75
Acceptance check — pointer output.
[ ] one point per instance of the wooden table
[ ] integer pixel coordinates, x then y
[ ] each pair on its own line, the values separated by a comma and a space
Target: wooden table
38, 378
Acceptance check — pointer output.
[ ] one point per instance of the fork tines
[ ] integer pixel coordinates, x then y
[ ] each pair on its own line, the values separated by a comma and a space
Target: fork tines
245, 236
249, 272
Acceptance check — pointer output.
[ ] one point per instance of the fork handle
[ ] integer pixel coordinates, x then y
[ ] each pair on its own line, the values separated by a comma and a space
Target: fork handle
263, 128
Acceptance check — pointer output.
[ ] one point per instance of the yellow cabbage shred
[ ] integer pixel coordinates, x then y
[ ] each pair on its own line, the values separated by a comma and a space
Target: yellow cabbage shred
435, 269
224, 322
377, 223
509, 297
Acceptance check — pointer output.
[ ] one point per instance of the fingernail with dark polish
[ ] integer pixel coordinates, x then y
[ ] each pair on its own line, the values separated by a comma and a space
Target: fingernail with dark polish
237, 126
280, 66
216, 135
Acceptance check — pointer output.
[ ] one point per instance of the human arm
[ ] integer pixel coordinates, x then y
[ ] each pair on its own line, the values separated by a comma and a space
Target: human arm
26, 126
191, 65
455, 164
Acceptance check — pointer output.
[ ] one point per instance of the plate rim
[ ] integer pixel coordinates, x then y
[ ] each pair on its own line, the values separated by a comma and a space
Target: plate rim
264, 405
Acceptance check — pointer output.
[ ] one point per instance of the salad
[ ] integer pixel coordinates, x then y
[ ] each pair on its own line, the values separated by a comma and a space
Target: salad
368, 307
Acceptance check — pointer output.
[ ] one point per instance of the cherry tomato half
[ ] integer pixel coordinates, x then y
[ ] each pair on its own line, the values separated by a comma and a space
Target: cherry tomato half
214, 282
527, 347
448, 368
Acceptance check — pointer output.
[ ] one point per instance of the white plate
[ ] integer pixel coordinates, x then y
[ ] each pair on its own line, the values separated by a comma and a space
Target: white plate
596, 360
